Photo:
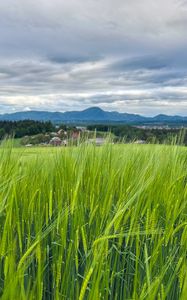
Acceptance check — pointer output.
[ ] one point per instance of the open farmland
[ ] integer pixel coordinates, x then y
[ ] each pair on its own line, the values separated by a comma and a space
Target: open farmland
93, 222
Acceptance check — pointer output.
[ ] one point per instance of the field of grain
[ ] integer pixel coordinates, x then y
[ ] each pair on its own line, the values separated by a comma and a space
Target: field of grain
93, 222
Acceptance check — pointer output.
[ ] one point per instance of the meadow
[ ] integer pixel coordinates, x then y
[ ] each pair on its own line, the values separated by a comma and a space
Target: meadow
93, 222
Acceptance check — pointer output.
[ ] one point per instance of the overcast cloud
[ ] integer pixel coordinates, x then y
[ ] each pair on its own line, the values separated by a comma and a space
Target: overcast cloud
120, 55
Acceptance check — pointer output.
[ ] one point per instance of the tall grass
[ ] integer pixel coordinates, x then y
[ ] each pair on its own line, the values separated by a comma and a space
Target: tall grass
93, 222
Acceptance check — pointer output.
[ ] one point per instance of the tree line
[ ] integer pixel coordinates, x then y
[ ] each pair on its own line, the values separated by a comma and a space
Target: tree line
130, 133
19, 129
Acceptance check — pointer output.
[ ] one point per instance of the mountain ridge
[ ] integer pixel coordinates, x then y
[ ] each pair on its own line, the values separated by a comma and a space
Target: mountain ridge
92, 114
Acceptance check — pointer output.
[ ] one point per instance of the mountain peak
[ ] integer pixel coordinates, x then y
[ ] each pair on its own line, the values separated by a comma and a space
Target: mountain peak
94, 109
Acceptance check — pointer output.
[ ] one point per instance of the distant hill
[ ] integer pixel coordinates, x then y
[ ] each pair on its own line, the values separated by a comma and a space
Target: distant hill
91, 115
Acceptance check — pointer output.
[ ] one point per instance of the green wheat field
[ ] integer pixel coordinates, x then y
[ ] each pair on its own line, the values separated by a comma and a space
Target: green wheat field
93, 222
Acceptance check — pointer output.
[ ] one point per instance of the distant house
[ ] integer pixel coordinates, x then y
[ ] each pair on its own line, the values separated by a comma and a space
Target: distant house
81, 128
140, 142
75, 134
54, 134
97, 141
60, 132
55, 141
64, 143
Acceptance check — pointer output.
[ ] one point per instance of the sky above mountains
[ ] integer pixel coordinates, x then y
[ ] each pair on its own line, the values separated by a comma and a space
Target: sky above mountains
128, 56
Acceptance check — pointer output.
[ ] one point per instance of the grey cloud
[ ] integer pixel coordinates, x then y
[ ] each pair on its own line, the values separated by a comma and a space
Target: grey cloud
120, 55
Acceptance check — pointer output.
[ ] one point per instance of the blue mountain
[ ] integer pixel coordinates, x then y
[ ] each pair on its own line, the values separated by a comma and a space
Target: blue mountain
92, 114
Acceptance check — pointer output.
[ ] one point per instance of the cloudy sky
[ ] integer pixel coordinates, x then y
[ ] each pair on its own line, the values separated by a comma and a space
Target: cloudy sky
124, 55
